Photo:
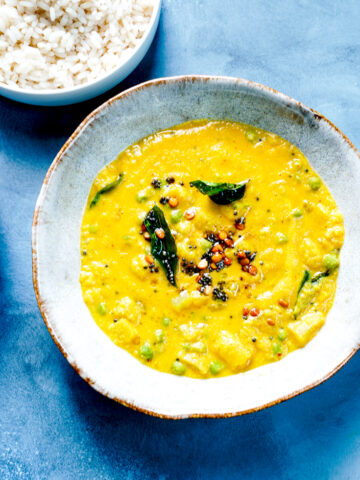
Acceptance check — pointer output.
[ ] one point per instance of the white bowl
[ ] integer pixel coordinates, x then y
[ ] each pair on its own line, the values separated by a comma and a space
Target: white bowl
120, 122
67, 96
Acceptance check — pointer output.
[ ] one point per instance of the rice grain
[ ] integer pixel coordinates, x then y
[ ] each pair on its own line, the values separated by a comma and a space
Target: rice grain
54, 44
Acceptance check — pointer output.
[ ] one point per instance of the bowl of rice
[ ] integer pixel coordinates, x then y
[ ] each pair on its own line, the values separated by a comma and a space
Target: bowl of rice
60, 52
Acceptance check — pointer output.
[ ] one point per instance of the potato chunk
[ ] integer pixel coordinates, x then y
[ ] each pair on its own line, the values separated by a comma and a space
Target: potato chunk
304, 329
127, 308
124, 332
198, 361
192, 331
232, 351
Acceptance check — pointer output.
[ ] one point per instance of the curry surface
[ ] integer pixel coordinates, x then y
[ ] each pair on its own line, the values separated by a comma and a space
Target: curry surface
252, 313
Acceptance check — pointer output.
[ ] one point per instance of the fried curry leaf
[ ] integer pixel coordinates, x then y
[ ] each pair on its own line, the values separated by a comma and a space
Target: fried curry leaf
107, 188
221, 193
163, 249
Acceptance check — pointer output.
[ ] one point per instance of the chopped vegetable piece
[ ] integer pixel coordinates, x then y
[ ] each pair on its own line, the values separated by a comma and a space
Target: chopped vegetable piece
205, 245
166, 321
178, 368
331, 261
176, 216
276, 348
314, 183
221, 193
102, 308
282, 335
198, 347
142, 196
163, 249
297, 212
159, 336
282, 238
93, 228
251, 136
146, 351
107, 188
216, 367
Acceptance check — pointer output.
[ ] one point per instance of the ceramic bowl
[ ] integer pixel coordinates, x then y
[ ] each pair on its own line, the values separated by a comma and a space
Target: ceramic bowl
80, 93
124, 120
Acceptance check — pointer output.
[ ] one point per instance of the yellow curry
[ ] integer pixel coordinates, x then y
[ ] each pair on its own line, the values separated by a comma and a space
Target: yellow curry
209, 249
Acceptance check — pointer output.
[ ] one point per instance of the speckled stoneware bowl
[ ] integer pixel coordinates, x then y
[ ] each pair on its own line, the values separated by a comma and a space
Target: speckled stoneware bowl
118, 123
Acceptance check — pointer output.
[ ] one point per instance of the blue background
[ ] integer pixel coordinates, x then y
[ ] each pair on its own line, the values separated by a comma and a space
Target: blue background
52, 424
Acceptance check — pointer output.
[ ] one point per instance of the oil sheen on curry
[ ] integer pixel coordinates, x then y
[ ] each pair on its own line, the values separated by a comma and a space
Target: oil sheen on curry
209, 249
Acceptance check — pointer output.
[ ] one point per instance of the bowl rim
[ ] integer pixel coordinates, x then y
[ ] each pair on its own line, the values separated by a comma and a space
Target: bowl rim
93, 83
159, 81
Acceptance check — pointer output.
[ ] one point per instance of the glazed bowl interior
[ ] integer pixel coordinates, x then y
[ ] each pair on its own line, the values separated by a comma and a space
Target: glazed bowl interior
56, 246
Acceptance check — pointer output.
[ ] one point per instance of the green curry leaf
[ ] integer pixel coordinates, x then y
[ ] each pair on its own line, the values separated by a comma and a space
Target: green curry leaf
221, 193
107, 188
163, 249
305, 295
305, 278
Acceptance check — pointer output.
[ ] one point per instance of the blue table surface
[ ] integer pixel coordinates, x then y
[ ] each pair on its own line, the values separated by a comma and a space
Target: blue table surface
52, 424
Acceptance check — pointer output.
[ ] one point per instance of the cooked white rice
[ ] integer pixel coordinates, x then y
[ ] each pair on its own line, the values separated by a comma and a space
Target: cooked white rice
51, 44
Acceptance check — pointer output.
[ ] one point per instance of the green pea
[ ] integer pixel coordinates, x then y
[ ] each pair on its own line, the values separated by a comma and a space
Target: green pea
166, 321
176, 216
93, 228
101, 308
314, 183
178, 368
297, 212
250, 135
282, 335
216, 367
186, 347
146, 351
276, 348
282, 238
205, 245
143, 195
331, 261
